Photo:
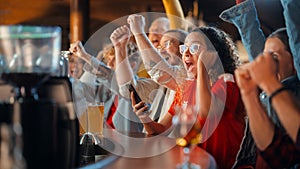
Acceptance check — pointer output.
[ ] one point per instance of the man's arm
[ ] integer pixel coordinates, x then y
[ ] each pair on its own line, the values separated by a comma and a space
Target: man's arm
150, 55
291, 15
264, 72
103, 72
124, 72
120, 38
261, 127
287, 109
244, 17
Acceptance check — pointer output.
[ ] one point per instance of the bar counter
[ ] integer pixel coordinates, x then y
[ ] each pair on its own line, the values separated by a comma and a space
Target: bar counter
137, 150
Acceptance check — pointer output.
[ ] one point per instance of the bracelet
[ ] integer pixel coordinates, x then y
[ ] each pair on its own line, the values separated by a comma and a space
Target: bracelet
276, 92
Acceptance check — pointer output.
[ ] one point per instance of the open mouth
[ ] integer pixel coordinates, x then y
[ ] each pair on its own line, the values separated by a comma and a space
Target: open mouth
73, 72
189, 65
155, 42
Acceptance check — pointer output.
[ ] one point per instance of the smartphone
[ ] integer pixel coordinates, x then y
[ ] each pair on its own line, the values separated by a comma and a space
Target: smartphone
137, 98
135, 94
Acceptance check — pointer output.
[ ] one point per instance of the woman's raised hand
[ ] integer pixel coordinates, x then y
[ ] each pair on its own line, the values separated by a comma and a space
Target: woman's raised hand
120, 36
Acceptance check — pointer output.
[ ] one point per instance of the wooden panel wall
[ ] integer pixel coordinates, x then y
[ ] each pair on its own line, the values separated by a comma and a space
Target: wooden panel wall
57, 12
41, 12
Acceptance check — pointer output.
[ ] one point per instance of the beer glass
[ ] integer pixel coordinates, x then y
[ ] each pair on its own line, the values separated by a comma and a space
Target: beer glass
92, 121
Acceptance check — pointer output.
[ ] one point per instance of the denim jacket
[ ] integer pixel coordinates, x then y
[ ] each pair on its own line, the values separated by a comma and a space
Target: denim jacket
291, 15
243, 14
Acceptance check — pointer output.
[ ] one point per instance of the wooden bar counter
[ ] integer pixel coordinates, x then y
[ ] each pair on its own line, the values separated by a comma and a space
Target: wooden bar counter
136, 151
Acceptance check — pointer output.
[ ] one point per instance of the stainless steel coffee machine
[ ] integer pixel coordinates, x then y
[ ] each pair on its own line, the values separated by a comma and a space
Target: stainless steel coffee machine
36, 104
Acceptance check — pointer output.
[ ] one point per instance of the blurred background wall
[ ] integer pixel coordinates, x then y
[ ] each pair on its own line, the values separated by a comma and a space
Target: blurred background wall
79, 19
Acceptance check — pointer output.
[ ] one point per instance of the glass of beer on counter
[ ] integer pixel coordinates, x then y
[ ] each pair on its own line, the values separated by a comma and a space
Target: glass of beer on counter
95, 113
91, 122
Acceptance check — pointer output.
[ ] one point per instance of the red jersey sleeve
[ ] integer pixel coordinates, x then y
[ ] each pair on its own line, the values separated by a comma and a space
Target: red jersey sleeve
229, 93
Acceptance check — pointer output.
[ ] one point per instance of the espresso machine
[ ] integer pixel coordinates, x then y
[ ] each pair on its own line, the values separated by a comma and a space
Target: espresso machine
36, 105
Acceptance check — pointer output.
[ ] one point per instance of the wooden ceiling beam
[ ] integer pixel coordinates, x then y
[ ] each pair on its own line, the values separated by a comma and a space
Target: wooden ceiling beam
79, 20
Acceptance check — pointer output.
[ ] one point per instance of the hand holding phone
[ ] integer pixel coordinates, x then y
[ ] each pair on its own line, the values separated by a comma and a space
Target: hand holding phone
135, 94
137, 98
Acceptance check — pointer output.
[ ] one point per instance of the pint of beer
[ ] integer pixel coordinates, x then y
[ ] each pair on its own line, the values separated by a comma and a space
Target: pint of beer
92, 120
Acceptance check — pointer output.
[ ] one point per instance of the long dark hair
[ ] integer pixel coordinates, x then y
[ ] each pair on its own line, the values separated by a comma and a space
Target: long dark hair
222, 44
